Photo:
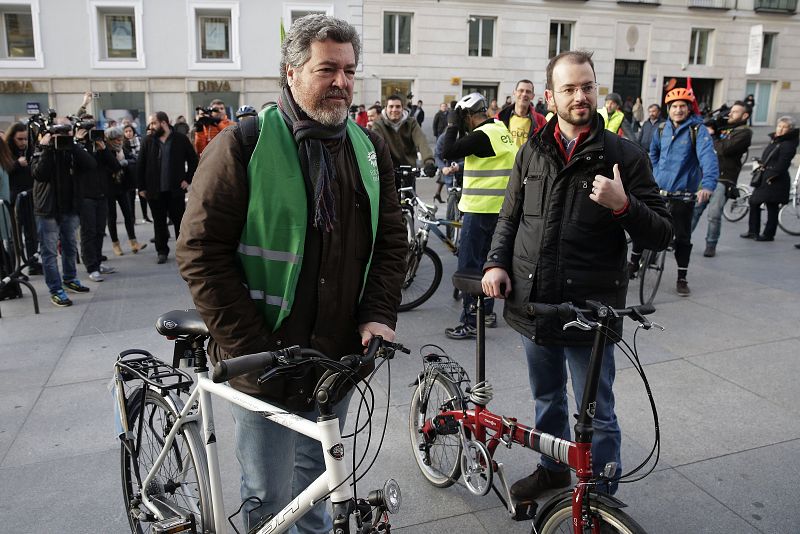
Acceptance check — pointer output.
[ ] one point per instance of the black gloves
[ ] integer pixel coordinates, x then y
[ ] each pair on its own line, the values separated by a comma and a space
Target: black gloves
429, 169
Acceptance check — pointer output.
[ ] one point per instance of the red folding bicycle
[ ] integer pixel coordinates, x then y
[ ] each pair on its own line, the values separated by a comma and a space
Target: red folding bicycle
454, 435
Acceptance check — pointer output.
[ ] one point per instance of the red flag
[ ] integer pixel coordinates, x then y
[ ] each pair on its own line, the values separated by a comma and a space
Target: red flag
695, 107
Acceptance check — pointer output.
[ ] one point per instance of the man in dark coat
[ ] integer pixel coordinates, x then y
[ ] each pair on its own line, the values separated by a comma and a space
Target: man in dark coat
165, 168
353, 252
574, 192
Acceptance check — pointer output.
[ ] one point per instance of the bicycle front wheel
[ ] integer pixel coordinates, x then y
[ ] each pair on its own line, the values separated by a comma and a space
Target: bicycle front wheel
181, 483
558, 519
650, 271
438, 457
736, 208
789, 218
423, 275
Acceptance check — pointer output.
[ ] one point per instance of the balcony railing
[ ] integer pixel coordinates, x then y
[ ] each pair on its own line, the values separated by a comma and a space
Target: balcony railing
712, 4
646, 2
775, 6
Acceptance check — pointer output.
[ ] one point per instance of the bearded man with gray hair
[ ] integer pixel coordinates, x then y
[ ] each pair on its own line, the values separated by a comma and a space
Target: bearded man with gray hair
319, 189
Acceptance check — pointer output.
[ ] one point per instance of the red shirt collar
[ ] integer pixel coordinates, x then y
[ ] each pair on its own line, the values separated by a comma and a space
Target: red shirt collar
581, 138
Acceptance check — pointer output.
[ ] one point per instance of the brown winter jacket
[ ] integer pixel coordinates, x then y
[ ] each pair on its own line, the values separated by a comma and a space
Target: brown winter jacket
326, 311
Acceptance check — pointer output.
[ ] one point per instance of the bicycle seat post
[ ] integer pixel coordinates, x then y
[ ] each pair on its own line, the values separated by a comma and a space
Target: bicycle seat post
480, 340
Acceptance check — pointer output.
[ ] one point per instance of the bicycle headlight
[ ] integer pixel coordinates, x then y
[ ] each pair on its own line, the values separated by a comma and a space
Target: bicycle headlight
389, 497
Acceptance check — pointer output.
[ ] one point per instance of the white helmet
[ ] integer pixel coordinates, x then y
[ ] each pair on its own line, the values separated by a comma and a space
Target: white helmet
472, 103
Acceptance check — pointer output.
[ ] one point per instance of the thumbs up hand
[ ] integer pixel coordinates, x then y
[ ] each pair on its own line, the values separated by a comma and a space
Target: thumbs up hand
608, 192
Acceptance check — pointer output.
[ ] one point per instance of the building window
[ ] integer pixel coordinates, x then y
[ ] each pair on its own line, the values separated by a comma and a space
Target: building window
120, 36
767, 57
481, 36
698, 50
17, 33
397, 33
560, 37
214, 36
116, 41
20, 41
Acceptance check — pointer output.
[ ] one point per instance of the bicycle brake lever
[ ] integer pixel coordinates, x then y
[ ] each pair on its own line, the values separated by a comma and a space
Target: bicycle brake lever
577, 324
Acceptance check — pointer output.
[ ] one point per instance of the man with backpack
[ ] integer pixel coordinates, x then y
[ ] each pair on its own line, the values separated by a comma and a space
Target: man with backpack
293, 236
684, 161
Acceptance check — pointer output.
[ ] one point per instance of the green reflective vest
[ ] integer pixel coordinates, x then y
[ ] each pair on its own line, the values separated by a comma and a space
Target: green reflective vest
485, 179
614, 122
271, 246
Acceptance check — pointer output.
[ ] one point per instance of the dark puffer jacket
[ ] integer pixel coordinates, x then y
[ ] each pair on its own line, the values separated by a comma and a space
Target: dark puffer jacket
557, 244
775, 182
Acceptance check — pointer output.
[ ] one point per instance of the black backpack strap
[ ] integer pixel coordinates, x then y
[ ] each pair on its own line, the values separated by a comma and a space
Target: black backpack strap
247, 133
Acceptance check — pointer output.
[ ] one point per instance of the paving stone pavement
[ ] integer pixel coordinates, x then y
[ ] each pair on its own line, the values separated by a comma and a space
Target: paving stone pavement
723, 374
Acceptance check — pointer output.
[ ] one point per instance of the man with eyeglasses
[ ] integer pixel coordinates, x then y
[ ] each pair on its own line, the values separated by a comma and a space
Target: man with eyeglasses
207, 126
574, 191
522, 119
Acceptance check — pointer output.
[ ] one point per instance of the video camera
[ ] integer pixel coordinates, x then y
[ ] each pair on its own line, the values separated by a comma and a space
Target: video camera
45, 123
718, 118
206, 116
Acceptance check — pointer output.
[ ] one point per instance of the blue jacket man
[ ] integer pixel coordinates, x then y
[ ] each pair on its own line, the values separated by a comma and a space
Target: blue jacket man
684, 161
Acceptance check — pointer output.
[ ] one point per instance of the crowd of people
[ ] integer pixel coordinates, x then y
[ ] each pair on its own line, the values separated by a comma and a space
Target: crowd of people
66, 181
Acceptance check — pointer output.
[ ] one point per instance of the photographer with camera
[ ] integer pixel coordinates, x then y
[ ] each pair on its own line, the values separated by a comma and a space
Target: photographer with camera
56, 167
732, 137
208, 123
95, 183
488, 151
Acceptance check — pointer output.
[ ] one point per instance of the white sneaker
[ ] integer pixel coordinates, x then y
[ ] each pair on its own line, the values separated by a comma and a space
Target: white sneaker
106, 270
96, 276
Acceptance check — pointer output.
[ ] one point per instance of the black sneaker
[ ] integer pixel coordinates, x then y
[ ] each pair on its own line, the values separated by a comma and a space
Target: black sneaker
682, 287
710, 251
490, 320
162, 258
461, 331
35, 269
540, 481
60, 299
75, 286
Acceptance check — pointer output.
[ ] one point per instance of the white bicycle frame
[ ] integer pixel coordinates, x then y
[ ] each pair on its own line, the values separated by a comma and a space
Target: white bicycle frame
332, 481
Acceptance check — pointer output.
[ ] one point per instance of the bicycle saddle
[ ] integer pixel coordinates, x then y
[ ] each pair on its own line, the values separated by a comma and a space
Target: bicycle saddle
469, 282
181, 323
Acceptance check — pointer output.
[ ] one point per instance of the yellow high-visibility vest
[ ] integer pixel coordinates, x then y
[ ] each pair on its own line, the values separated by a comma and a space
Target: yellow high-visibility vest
486, 179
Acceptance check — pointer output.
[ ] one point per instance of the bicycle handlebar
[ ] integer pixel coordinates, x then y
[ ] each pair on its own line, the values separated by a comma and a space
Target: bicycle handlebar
264, 361
567, 312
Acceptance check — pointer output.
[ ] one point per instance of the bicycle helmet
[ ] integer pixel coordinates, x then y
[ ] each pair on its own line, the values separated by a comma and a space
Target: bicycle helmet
245, 110
679, 93
472, 103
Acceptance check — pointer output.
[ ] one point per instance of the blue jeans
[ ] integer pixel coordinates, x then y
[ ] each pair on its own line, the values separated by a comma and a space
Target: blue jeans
715, 205
547, 372
277, 464
50, 230
476, 238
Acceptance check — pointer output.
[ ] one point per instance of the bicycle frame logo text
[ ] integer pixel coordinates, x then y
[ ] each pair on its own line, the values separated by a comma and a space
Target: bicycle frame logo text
337, 451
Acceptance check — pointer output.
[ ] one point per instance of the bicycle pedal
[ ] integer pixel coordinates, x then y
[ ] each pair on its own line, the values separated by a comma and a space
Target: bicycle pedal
525, 511
445, 425
174, 525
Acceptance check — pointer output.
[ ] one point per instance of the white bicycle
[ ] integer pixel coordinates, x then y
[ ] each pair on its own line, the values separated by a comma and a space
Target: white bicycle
170, 474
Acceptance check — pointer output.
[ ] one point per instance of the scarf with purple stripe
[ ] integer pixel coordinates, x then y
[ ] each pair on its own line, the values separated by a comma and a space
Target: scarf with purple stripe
315, 160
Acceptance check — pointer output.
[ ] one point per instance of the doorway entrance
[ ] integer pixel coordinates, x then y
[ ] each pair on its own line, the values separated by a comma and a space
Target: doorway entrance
762, 92
628, 79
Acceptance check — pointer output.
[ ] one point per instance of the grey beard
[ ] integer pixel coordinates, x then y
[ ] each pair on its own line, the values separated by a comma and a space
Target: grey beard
328, 117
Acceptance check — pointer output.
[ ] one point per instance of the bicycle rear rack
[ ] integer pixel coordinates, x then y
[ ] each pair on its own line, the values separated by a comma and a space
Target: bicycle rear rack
445, 366
138, 364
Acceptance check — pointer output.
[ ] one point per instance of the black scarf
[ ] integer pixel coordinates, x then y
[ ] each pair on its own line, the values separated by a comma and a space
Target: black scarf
315, 160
